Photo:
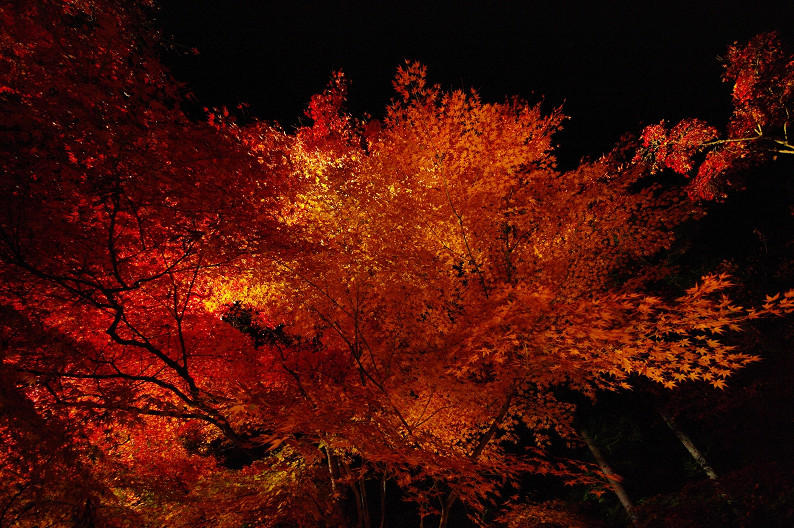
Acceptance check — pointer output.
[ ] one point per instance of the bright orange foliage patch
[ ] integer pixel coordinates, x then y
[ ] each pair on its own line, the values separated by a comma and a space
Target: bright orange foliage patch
210, 324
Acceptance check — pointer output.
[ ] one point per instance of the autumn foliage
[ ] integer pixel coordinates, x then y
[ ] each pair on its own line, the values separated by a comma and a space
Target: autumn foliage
762, 74
208, 324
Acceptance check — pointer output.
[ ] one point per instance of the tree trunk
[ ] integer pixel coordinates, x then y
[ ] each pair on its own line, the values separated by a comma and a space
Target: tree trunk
362, 485
688, 443
611, 476
446, 506
330, 469
354, 484
359, 511
698, 456
383, 501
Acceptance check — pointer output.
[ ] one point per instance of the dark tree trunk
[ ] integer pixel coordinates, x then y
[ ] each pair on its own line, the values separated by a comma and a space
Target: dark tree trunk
612, 477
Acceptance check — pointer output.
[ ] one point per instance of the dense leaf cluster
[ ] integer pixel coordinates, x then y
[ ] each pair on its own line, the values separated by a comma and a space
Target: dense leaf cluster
210, 324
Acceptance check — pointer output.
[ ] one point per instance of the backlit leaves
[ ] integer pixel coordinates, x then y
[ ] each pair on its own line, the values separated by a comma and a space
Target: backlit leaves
762, 74
219, 324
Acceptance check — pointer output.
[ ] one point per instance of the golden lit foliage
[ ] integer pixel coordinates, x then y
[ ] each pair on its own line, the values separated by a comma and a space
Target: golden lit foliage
457, 280
355, 301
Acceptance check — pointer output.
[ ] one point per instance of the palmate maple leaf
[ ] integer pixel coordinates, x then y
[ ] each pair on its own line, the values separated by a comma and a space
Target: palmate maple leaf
762, 74
464, 279
210, 322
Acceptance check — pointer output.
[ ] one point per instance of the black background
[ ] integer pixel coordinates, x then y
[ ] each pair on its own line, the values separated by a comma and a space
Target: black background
615, 65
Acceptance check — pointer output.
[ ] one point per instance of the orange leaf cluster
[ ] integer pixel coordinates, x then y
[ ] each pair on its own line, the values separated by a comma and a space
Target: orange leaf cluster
225, 324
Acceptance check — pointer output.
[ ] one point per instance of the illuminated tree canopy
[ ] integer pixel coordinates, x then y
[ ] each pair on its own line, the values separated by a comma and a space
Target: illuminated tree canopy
216, 324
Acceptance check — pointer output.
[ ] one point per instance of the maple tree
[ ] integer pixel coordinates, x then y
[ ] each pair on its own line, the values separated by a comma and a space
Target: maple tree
450, 254
762, 74
358, 302
112, 200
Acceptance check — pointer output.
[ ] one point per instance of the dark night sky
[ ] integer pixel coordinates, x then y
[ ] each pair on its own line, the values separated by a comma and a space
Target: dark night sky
614, 64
